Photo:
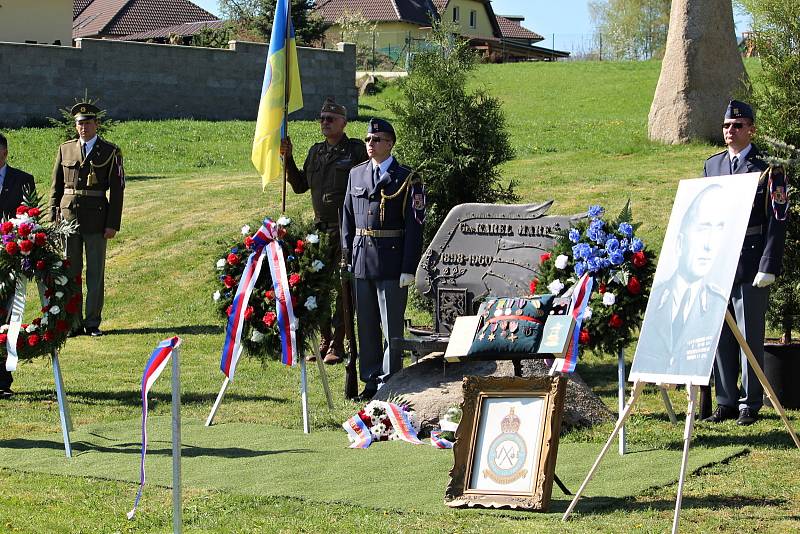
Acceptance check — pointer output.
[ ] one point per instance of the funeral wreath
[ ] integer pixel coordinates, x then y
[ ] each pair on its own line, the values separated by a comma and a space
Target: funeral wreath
310, 285
622, 267
32, 250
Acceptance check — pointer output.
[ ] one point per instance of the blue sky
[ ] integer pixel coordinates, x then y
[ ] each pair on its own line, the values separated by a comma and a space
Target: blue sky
568, 19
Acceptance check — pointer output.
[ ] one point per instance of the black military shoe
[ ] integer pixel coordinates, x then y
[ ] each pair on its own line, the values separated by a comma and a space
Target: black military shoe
747, 417
366, 395
6, 393
75, 332
93, 331
721, 414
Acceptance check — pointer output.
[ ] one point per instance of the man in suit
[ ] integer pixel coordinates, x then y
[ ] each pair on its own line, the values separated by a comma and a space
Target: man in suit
382, 218
85, 170
676, 340
325, 172
759, 264
14, 183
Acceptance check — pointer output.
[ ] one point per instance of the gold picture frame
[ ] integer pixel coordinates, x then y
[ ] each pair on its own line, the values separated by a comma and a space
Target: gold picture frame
507, 442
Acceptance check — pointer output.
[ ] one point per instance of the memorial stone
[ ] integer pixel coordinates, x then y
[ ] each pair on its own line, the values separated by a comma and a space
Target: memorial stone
482, 250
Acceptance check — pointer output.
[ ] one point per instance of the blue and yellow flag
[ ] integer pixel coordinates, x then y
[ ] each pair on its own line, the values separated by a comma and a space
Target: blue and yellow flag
281, 60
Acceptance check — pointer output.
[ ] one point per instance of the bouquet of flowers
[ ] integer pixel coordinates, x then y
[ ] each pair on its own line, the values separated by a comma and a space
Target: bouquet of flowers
305, 255
622, 267
376, 417
32, 250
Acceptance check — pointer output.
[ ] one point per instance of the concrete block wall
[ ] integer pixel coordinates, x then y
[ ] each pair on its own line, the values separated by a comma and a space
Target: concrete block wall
153, 81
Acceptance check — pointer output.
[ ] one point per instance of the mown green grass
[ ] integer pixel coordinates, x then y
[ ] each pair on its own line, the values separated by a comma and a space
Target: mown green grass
579, 130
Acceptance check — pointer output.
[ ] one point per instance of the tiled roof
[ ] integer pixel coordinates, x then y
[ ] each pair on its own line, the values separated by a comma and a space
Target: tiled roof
117, 18
183, 30
414, 11
440, 5
78, 6
512, 30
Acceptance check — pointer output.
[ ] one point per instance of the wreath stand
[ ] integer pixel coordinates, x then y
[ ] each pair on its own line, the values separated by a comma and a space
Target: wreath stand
17, 310
692, 391
303, 393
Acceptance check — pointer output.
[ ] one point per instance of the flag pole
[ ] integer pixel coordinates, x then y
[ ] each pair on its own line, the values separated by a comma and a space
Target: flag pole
286, 99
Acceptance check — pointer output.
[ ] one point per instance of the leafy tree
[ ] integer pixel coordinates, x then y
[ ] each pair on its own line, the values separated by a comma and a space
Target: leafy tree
214, 37
357, 29
255, 17
631, 29
453, 137
776, 97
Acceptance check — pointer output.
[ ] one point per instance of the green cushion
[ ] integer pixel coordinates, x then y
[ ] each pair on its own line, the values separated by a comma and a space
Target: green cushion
511, 324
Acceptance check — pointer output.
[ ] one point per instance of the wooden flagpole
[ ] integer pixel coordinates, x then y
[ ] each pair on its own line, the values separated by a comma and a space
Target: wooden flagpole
286, 88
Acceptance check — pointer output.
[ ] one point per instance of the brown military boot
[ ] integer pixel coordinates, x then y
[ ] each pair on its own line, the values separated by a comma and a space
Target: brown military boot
335, 355
324, 348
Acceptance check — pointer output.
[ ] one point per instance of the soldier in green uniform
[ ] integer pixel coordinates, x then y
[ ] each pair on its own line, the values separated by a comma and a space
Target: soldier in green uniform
88, 186
325, 172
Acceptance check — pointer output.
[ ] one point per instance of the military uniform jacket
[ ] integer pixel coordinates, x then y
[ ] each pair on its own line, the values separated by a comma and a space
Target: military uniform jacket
383, 258
762, 250
325, 172
14, 185
79, 186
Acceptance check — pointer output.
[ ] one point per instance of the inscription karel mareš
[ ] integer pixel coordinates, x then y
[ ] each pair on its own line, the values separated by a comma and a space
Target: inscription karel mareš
489, 249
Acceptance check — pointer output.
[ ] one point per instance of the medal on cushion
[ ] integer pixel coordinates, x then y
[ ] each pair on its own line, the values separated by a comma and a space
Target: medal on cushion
503, 327
493, 328
513, 326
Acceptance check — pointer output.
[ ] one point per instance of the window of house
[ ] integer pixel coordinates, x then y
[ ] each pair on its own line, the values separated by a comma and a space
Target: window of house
473, 19
456, 14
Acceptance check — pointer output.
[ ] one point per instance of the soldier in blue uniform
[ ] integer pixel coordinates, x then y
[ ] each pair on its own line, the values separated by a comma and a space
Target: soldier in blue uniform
382, 218
759, 264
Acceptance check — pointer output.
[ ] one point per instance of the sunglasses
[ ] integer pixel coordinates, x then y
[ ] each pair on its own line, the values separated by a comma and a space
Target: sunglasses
736, 125
374, 139
327, 118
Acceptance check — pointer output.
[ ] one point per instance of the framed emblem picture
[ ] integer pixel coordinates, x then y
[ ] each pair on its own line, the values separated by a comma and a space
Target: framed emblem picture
507, 442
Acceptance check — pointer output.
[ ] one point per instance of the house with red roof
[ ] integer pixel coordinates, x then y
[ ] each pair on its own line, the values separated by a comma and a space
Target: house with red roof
399, 25
119, 19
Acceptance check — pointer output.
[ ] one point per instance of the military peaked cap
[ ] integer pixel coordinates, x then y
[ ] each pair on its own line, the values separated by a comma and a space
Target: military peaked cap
330, 106
84, 111
380, 125
739, 110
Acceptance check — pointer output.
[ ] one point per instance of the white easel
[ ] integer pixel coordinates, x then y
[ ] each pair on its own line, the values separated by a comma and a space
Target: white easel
692, 390
303, 393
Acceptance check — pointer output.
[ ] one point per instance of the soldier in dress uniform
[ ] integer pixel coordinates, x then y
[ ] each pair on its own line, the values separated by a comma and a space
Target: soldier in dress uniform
88, 186
384, 210
325, 172
759, 263
14, 183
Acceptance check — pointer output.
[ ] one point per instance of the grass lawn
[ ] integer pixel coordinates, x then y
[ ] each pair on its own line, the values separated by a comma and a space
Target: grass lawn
579, 131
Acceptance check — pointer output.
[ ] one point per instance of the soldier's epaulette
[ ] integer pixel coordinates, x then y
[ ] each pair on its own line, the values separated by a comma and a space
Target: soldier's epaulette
714, 288
717, 154
70, 141
362, 164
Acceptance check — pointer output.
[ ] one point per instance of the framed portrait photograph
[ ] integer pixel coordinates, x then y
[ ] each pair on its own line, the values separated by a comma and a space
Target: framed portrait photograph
693, 280
507, 442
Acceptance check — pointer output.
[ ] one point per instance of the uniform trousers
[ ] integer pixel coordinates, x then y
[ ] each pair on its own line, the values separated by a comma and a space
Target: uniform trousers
748, 305
94, 246
381, 306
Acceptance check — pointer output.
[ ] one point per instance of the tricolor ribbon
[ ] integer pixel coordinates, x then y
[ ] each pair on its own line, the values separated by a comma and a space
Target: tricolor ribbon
580, 299
155, 365
265, 245
779, 198
17, 310
357, 431
438, 442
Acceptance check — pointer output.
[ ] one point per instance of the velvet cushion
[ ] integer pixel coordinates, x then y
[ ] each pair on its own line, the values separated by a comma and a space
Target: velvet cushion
511, 324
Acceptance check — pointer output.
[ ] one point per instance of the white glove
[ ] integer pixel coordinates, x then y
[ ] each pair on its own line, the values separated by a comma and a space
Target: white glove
763, 279
406, 279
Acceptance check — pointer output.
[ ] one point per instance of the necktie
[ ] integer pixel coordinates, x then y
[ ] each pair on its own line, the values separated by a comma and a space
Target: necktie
735, 163
376, 175
83, 150
680, 317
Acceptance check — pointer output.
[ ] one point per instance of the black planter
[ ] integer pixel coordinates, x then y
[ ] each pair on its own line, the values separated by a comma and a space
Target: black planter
782, 367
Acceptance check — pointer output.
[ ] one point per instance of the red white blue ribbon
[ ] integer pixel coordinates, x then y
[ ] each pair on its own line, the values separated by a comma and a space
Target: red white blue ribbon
401, 423
438, 442
358, 432
155, 365
580, 299
265, 245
